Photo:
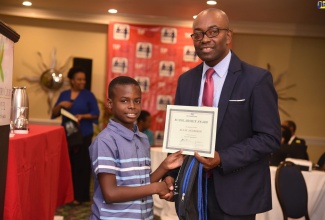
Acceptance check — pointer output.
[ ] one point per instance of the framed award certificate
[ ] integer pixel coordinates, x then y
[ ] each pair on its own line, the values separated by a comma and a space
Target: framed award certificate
190, 129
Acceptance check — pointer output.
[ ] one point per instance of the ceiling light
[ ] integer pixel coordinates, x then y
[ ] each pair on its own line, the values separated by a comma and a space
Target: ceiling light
27, 3
211, 2
112, 11
194, 16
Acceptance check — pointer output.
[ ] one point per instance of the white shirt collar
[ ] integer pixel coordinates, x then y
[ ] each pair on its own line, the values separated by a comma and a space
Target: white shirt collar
291, 139
221, 68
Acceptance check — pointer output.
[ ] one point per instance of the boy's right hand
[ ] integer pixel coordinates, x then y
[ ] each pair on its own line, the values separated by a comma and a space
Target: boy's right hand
162, 189
170, 184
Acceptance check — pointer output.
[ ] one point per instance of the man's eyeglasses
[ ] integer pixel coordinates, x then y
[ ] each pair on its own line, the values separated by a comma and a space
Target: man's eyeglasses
211, 32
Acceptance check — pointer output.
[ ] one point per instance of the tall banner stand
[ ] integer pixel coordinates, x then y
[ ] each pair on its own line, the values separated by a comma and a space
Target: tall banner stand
7, 39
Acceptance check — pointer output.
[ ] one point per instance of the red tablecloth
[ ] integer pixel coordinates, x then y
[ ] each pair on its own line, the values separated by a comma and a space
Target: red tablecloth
38, 174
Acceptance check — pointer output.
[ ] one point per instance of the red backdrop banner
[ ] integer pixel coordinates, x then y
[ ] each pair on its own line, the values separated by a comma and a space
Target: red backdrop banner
155, 56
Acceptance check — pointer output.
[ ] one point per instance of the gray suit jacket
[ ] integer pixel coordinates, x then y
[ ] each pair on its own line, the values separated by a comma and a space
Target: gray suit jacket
248, 130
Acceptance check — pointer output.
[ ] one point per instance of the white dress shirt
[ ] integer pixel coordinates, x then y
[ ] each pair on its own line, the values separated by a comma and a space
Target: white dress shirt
221, 70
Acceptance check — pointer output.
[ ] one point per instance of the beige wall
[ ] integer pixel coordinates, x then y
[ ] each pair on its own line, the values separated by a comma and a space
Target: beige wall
70, 40
301, 58
302, 61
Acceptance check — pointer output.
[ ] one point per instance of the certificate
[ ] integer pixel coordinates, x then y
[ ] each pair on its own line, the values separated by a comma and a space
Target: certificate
190, 129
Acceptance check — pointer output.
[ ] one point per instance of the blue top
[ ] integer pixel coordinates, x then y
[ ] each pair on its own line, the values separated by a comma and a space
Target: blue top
149, 134
85, 103
126, 154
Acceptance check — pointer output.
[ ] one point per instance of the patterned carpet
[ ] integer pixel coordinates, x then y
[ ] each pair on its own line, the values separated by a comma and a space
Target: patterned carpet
79, 212
75, 212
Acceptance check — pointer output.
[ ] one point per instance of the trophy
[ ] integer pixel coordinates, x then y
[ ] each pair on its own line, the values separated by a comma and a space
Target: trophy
19, 110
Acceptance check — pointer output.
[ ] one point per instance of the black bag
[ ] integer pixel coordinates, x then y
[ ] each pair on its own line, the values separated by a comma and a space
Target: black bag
186, 194
73, 133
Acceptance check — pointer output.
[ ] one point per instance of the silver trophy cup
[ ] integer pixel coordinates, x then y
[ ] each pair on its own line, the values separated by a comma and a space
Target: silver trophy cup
19, 110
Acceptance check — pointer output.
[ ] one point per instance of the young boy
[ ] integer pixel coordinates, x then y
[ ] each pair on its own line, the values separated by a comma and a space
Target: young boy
120, 157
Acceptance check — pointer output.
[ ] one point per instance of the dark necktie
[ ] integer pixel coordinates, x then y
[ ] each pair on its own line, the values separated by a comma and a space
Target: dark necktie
207, 98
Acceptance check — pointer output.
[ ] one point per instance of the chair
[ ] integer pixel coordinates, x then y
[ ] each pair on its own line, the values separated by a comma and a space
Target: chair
291, 191
321, 162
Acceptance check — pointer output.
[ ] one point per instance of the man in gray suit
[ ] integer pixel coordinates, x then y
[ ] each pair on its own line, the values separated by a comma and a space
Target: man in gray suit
248, 128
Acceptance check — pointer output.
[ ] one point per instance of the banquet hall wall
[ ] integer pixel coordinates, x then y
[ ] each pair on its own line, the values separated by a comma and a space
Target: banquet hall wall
301, 58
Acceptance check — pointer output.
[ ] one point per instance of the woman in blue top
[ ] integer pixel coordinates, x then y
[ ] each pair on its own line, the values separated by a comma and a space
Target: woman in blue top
83, 105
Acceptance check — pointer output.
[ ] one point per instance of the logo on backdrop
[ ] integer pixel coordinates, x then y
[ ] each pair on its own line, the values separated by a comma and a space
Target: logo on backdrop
144, 83
163, 101
166, 68
321, 4
121, 32
119, 65
144, 50
159, 137
189, 54
169, 35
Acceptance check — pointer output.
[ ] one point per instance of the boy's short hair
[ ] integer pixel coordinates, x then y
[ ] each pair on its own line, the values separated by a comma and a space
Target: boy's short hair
143, 115
121, 80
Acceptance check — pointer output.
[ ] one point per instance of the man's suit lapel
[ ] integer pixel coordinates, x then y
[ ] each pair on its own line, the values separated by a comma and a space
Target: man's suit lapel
232, 75
196, 84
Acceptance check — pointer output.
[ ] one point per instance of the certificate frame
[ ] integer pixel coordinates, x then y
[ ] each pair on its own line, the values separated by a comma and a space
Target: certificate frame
190, 128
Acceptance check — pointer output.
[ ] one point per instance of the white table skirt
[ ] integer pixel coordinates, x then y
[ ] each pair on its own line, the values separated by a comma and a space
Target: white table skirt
315, 181
162, 208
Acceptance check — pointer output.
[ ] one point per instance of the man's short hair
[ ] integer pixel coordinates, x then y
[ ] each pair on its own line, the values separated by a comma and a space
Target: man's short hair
285, 133
291, 125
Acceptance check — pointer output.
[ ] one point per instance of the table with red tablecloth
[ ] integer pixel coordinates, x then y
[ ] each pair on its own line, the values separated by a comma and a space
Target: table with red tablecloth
38, 174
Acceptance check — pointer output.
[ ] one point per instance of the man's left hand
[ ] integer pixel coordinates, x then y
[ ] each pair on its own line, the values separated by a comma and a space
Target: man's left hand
208, 163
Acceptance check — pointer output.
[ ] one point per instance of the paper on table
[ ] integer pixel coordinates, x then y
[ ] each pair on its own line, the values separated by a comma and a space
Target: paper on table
68, 115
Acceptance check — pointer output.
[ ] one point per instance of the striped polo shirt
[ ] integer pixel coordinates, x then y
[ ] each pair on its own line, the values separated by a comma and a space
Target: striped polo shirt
125, 153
